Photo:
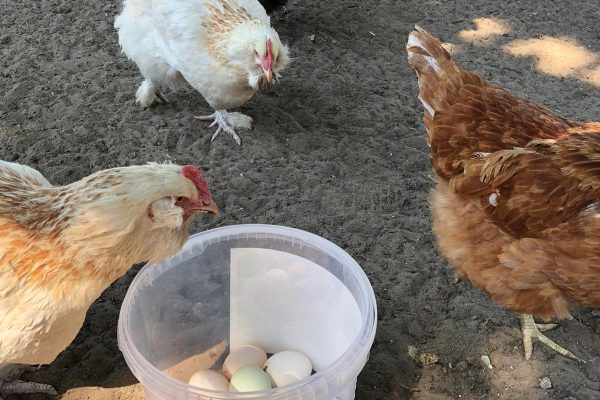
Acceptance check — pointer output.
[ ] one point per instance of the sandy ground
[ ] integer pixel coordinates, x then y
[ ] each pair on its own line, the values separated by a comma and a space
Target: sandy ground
338, 149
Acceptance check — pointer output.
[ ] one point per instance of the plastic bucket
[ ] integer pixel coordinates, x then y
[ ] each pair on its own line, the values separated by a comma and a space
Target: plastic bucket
275, 287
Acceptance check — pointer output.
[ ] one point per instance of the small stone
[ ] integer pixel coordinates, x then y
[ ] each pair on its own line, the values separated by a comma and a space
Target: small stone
158, 121
545, 383
413, 352
63, 9
461, 365
485, 360
456, 278
428, 358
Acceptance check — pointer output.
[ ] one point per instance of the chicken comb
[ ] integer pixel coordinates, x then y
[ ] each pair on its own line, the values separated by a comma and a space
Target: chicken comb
268, 61
194, 175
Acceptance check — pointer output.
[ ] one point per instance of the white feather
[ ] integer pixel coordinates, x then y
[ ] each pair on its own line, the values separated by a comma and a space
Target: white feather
25, 171
166, 214
167, 41
414, 42
493, 199
429, 109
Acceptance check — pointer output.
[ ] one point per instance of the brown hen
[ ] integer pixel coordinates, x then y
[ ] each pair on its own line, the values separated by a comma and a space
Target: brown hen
516, 205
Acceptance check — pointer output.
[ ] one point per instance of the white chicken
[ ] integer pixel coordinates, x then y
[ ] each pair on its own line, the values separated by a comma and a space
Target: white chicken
61, 246
225, 49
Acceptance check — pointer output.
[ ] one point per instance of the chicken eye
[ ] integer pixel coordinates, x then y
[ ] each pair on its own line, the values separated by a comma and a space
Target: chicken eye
180, 198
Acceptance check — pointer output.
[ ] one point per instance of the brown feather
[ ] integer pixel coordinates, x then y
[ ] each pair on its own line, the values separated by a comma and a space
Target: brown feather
223, 16
520, 221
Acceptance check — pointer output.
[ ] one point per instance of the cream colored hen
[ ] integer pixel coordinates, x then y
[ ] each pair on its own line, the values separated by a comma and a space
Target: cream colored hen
61, 246
225, 49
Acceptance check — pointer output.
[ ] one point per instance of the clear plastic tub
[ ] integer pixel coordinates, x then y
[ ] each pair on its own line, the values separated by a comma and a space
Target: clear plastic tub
276, 287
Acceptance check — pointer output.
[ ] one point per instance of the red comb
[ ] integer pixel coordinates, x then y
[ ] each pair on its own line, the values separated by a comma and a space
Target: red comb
268, 61
194, 175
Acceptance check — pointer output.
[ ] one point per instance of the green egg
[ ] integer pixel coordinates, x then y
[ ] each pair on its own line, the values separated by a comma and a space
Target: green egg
249, 379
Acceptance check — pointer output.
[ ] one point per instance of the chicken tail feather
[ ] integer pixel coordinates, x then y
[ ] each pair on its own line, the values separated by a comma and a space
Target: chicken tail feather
439, 76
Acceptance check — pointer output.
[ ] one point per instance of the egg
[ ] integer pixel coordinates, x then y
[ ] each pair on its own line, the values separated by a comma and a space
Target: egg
287, 367
209, 379
245, 355
249, 379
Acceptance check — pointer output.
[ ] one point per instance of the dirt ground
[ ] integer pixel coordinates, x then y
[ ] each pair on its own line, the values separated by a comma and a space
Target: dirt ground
338, 149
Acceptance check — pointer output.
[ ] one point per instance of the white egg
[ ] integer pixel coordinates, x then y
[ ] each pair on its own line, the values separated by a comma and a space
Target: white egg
287, 367
245, 355
249, 379
209, 379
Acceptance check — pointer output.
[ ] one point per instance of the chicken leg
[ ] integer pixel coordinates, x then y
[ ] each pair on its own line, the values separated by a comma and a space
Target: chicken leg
22, 387
227, 122
531, 329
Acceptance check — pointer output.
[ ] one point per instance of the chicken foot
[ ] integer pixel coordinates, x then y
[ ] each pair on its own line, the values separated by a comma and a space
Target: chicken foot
160, 97
22, 387
149, 93
530, 330
227, 122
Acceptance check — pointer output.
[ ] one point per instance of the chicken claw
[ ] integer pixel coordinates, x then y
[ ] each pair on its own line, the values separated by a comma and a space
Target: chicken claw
227, 122
530, 329
22, 387
160, 97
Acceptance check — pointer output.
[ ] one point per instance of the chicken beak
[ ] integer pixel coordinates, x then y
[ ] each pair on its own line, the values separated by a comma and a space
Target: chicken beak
211, 208
268, 76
